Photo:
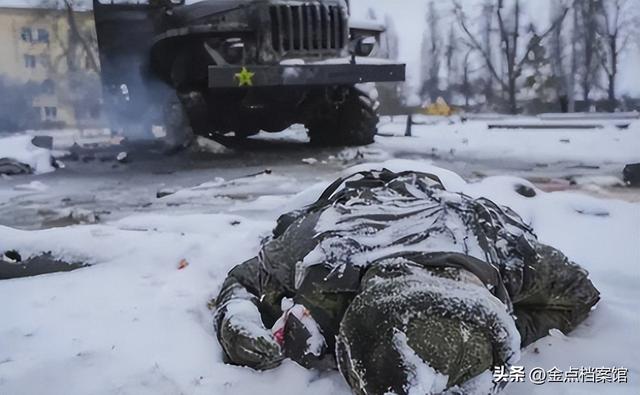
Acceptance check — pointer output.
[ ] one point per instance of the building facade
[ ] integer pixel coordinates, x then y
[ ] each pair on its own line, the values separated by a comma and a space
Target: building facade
54, 53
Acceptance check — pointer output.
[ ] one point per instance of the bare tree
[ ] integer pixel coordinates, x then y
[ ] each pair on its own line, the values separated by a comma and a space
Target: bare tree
558, 60
79, 46
76, 64
564, 60
432, 47
79, 36
468, 87
450, 52
391, 95
466, 83
587, 36
614, 32
573, 73
487, 35
514, 54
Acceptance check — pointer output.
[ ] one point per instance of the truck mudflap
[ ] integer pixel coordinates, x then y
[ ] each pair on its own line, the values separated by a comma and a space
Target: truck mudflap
301, 75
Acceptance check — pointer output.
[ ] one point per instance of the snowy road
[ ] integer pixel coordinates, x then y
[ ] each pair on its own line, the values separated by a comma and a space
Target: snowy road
135, 324
113, 191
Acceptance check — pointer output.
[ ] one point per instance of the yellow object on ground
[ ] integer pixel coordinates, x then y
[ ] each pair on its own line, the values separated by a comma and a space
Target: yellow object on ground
439, 108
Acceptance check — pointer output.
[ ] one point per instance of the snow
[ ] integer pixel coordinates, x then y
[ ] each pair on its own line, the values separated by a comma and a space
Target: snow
359, 60
135, 324
35, 186
263, 186
473, 140
366, 24
21, 149
426, 380
210, 146
246, 316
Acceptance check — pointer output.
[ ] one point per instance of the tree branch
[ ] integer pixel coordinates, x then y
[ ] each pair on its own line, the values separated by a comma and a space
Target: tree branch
544, 35
473, 42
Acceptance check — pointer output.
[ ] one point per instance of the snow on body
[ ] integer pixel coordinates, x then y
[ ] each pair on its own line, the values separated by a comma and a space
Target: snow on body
426, 379
415, 215
135, 324
20, 148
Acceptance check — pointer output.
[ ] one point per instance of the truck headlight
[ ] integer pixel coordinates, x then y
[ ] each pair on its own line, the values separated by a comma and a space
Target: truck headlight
363, 46
233, 50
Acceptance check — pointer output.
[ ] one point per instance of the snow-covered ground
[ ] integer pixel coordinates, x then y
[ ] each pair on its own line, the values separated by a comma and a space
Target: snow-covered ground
134, 323
473, 140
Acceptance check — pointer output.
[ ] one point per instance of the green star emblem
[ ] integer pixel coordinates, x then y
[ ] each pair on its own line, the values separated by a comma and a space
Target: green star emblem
245, 77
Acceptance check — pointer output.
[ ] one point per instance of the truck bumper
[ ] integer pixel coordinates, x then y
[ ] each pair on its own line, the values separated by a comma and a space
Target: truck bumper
301, 75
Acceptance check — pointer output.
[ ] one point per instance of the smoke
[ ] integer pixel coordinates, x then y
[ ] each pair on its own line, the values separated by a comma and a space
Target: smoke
16, 105
134, 100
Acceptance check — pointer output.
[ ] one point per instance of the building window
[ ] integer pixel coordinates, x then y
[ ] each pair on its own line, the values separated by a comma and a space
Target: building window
50, 113
43, 36
30, 61
26, 34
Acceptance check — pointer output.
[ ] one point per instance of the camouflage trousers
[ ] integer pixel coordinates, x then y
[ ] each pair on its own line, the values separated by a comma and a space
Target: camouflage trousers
436, 330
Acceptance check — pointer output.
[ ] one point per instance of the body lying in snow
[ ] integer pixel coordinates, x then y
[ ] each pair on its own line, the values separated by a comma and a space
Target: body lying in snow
402, 286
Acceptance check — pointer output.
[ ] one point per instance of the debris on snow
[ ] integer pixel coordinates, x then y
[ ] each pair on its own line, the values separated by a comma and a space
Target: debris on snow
122, 157
361, 154
67, 217
525, 190
165, 192
632, 175
18, 155
600, 181
310, 161
183, 264
11, 167
12, 256
204, 144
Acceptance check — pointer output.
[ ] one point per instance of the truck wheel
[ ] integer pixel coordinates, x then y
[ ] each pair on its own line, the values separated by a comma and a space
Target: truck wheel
350, 123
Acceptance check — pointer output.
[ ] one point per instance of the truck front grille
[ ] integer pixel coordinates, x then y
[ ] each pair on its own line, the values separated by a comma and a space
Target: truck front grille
307, 29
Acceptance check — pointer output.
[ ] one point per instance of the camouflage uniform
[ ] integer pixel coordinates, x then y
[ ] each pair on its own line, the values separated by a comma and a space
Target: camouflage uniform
413, 287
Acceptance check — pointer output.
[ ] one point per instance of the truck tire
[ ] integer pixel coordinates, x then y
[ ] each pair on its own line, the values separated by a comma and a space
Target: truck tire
350, 123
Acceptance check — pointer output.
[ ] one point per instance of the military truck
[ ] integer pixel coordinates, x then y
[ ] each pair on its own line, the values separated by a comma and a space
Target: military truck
220, 67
